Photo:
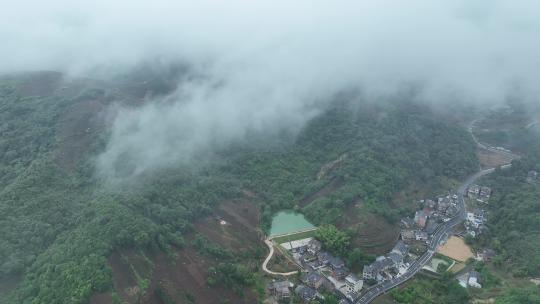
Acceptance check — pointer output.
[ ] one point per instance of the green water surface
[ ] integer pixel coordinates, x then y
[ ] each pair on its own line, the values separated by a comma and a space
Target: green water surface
288, 222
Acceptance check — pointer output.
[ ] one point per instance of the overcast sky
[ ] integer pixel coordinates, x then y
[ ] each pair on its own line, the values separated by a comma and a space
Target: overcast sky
273, 60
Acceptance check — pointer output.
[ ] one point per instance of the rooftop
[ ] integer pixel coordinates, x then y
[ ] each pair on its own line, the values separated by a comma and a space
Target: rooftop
312, 277
305, 292
401, 248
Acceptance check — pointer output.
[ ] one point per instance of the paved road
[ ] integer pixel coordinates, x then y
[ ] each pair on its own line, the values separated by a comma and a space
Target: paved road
441, 234
488, 147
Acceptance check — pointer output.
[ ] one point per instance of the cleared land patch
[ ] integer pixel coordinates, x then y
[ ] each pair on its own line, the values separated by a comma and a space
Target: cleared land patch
456, 249
182, 278
372, 233
491, 159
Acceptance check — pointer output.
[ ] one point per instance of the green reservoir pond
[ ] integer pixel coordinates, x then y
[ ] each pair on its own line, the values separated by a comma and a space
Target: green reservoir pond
288, 222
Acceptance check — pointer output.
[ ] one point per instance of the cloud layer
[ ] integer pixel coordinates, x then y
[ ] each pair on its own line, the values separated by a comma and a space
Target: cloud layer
269, 65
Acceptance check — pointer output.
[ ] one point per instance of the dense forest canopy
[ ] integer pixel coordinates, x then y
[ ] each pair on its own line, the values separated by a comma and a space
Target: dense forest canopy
62, 223
514, 209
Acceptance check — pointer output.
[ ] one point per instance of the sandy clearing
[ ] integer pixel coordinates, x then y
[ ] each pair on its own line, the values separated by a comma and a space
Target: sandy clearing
455, 248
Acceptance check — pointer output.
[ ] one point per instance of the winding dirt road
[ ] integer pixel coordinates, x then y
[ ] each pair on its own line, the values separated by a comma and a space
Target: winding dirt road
270, 245
265, 263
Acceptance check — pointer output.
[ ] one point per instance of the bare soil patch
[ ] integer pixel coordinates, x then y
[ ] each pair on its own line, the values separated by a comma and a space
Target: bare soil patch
456, 249
244, 212
373, 234
490, 159
279, 263
330, 166
181, 279
186, 277
124, 279
101, 298
239, 231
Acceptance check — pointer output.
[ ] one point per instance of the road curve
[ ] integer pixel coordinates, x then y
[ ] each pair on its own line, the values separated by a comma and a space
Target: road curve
270, 254
441, 233
488, 147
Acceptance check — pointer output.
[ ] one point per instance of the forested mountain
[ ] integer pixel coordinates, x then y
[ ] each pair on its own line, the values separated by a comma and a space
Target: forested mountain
60, 223
514, 208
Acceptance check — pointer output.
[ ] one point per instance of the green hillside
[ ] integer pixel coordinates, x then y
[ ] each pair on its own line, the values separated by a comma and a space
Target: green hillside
59, 222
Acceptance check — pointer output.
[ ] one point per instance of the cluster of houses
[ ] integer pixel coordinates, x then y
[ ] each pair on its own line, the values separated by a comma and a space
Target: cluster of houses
326, 271
427, 220
481, 194
389, 266
476, 219
323, 271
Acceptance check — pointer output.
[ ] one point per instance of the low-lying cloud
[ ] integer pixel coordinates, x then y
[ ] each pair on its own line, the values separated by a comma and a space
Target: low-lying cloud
270, 65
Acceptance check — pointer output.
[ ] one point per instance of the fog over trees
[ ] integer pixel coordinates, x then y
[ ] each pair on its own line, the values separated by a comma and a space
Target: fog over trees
145, 146
270, 66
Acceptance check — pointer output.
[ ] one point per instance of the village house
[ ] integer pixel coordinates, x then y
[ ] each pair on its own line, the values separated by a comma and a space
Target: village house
473, 191
370, 271
395, 257
420, 217
336, 263
324, 257
444, 203
476, 218
308, 258
316, 265
474, 279
374, 270
481, 194
348, 291
344, 301
407, 222
401, 248
421, 235
314, 246
485, 192
407, 235
313, 279
306, 293
353, 280
430, 204
486, 255
431, 226
280, 290
340, 273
